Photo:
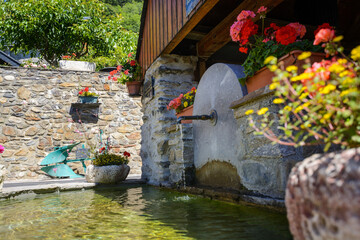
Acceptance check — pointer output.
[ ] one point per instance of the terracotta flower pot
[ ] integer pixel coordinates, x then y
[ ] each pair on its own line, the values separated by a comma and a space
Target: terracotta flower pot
264, 76
133, 88
186, 112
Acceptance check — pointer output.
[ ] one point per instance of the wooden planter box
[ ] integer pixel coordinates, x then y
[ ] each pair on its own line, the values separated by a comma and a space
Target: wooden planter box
264, 76
186, 112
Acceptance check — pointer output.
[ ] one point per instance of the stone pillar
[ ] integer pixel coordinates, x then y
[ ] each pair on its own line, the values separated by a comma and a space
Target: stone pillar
170, 76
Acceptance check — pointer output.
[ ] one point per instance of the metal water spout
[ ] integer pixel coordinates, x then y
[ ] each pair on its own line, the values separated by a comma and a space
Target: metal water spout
212, 117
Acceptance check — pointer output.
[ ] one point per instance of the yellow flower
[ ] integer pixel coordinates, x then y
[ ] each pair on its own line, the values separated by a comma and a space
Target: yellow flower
291, 68
248, 112
298, 109
302, 76
278, 100
271, 59
273, 68
328, 89
342, 61
186, 104
355, 53
273, 86
262, 111
338, 38
327, 116
287, 108
303, 95
303, 126
304, 55
337, 68
346, 92
348, 81
344, 73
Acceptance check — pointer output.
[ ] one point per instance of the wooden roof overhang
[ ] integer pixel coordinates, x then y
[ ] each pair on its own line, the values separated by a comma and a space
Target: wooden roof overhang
166, 28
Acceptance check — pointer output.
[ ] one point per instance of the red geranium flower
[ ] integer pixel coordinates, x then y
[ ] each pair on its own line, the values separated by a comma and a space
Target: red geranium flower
243, 49
126, 154
323, 26
126, 72
132, 63
101, 149
285, 35
86, 89
80, 92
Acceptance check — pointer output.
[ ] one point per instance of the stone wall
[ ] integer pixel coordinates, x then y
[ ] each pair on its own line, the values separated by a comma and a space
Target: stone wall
35, 106
264, 166
171, 75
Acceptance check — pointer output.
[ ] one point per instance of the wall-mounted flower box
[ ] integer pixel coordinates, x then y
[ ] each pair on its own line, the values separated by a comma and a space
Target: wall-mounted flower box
86, 112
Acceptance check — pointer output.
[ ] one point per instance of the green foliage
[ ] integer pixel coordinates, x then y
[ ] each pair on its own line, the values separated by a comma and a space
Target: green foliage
109, 159
62, 27
131, 13
255, 60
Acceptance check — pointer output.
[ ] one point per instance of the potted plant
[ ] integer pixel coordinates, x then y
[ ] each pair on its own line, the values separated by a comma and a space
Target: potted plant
320, 105
183, 104
87, 97
274, 41
108, 167
128, 73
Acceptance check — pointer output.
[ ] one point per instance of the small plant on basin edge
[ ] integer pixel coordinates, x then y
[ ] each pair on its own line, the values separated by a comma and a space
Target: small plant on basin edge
319, 106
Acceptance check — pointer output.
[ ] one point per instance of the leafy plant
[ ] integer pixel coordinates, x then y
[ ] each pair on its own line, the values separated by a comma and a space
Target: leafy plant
319, 106
128, 72
109, 159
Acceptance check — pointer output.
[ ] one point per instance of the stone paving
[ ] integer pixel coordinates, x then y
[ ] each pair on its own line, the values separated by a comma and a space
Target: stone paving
18, 187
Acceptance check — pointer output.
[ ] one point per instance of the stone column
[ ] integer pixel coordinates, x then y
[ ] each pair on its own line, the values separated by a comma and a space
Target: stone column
170, 76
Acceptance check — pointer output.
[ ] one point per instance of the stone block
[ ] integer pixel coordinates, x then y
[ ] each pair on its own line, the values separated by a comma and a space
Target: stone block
9, 131
23, 93
323, 195
31, 131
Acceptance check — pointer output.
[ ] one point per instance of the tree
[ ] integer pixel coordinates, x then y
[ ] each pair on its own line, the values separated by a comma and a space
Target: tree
58, 27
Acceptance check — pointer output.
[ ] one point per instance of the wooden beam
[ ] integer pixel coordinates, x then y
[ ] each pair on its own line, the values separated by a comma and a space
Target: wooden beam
220, 35
194, 35
190, 24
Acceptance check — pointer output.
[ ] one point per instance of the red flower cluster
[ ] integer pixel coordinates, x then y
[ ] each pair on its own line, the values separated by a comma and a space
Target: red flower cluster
83, 90
285, 35
244, 28
323, 26
129, 71
126, 154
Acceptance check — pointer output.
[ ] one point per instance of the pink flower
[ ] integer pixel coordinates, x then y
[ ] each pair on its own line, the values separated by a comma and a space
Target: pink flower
119, 68
130, 54
126, 72
299, 28
262, 9
235, 30
324, 35
115, 79
2, 149
265, 40
109, 77
245, 14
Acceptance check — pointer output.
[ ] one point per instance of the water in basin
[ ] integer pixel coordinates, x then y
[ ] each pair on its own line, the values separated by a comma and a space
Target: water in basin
137, 212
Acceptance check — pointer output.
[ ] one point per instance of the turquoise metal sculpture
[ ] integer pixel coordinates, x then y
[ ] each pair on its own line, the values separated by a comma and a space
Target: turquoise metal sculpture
57, 162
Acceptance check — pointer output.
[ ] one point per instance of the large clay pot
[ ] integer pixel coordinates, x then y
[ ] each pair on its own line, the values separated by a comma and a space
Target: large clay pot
186, 112
264, 76
133, 88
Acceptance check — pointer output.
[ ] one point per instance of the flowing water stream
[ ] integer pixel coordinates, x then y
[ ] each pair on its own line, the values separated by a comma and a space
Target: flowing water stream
136, 212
